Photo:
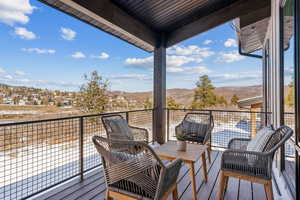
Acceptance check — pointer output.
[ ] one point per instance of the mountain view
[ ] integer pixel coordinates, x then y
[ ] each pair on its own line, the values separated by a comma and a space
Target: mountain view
21, 102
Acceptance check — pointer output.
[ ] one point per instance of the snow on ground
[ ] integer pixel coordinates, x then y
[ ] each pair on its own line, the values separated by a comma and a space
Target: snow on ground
19, 112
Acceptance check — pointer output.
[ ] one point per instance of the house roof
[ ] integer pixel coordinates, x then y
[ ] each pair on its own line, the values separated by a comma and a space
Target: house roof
144, 23
247, 103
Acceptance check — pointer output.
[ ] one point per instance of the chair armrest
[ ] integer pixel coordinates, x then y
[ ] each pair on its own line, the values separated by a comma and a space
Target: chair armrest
178, 129
257, 164
169, 176
207, 135
238, 143
139, 134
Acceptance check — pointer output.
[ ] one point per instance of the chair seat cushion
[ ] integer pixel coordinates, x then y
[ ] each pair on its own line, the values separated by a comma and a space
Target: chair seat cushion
194, 131
193, 138
120, 129
259, 142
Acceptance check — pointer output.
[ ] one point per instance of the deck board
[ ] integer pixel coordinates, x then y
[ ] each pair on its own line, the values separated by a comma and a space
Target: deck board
258, 192
232, 191
245, 190
199, 179
93, 186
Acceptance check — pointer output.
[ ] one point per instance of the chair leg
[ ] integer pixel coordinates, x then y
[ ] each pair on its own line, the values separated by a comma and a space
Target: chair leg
222, 185
175, 193
107, 195
269, 190
209, 153
226, 182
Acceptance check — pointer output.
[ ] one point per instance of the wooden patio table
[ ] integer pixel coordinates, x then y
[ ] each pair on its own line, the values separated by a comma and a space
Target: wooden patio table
168, 151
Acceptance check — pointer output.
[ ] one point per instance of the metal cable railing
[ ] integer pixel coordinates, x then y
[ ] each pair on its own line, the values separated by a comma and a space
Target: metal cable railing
37, 155
228, 124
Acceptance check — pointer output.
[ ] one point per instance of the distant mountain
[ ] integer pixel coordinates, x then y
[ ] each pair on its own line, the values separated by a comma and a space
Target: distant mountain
182, 96
185, 96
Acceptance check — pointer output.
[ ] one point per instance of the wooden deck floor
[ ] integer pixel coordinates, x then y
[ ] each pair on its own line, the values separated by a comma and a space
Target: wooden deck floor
93, 186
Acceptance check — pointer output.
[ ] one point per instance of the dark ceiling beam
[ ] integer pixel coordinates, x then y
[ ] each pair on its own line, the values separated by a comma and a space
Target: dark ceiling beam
239, 8
107, 13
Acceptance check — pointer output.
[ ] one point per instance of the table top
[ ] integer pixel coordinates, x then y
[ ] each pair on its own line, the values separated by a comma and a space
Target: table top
169, 151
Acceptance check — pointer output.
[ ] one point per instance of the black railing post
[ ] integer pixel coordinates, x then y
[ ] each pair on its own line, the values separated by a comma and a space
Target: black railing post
81, 130
168, 124
210, 118
127, 117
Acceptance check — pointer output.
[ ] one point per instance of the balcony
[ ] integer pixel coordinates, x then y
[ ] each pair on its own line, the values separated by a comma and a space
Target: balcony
56, 159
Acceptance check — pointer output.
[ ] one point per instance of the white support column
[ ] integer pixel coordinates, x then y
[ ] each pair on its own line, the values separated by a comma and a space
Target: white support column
159, 92
275, 63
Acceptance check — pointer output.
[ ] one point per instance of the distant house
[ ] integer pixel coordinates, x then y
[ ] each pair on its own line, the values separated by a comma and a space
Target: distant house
22, 102
254, 104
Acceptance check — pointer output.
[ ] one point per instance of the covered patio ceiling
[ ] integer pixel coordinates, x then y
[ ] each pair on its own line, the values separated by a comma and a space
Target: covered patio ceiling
144, 22
154, 25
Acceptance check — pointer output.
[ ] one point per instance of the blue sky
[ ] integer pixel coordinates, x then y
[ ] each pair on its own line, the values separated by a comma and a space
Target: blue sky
45, 48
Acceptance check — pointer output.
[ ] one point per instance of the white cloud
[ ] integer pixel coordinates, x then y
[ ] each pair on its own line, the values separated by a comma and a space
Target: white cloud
15, 11
177, 61
103, 55
191, 50
78, 54
172, 61
140, 63
177, 56
131, 76
8, 77
207, 42
39, 51
188, 70
238, 76
20, 73
67, 34
234, 79
24, 33
230, 42
230, 57
2, 70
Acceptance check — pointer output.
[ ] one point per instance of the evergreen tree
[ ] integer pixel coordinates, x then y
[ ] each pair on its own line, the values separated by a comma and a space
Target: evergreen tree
234, 100
172, 104
204, 95
290, 98
148, 104
93, 95
222, 101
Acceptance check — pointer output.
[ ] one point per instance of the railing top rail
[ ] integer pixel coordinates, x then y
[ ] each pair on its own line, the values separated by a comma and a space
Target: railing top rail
70, 117
218, 110
213, 110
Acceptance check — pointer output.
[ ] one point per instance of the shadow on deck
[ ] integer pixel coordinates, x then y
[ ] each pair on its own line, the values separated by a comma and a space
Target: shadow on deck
93, 186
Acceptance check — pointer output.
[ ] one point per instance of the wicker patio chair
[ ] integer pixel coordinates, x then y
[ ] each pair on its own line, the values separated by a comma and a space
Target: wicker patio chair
197, 128
136, 175
251, 165
125, 131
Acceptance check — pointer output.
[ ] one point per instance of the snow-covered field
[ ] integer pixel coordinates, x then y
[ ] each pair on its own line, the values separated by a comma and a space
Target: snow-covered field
19, 112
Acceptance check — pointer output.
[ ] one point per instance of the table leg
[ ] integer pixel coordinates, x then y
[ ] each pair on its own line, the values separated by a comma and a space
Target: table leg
204, 167
192, 174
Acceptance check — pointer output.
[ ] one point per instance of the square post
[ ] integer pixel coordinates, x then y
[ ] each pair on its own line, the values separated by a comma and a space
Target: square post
159, 92
297, 92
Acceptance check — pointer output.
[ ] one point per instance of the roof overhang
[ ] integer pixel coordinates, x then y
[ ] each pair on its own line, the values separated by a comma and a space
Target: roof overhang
252, 28
250, 102
144, 22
